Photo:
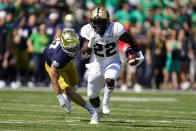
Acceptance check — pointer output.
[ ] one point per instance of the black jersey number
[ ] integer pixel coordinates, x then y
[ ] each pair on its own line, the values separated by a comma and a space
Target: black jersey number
110, 49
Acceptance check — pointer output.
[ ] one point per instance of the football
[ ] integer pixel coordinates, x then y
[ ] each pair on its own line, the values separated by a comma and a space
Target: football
131, 54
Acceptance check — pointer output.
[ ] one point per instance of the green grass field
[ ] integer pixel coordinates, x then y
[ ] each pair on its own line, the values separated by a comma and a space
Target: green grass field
34, 110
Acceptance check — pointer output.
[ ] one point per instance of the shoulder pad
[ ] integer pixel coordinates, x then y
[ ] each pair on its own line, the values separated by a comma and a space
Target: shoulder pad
118, 29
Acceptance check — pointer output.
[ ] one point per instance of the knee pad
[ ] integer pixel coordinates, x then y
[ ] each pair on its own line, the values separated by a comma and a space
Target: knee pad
110, 83
95, 102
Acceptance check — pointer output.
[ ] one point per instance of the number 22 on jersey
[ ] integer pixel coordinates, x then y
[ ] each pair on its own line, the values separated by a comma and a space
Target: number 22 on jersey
109, 49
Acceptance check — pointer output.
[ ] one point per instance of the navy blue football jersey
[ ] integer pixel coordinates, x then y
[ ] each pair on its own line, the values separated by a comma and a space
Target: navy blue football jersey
55, 55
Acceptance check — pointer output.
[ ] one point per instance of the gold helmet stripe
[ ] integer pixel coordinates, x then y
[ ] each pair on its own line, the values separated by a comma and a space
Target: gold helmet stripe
99, 12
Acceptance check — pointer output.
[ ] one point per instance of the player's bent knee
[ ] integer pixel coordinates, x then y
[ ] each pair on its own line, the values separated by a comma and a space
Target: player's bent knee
110, 83
95, 102
69, 91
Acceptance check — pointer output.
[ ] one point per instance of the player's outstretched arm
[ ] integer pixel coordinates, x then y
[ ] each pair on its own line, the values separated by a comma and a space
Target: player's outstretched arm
55, 74
128, 38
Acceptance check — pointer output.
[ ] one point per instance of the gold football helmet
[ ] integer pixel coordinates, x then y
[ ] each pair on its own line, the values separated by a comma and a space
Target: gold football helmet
99, 20
69, 42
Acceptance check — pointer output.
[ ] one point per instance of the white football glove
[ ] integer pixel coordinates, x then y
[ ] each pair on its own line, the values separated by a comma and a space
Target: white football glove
63, 100
140, 58
68, 101
91, 43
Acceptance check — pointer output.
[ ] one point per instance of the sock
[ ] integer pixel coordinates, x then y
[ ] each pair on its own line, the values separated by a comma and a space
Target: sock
107, 95
98, 109
66, 97
89, 108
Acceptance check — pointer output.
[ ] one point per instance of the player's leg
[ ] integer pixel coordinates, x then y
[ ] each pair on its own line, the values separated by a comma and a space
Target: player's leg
106, 99
62, 84
111, 74
95, 84
71, 77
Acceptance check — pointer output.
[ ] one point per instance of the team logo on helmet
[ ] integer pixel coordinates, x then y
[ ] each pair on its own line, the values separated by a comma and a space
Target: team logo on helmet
69, 42
99, 13
99, 20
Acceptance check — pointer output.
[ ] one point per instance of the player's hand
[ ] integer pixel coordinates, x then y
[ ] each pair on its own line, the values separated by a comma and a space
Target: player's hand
63, 101
139, 58
91, 42
86, 55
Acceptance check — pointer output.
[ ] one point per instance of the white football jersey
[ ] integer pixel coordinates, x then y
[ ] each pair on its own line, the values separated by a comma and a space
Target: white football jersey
105, 49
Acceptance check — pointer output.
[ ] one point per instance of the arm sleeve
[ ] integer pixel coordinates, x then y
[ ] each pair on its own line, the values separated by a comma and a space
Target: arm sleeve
127, 38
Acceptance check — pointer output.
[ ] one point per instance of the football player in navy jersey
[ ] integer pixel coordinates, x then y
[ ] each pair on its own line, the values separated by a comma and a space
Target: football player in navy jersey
70, 23
59, 64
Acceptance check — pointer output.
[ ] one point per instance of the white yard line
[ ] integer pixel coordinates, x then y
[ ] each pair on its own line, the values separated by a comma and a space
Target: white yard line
11, 130
116, 90
139, 99
131, 108
79, 119
67, 116
25, 104
121, 98
38, 121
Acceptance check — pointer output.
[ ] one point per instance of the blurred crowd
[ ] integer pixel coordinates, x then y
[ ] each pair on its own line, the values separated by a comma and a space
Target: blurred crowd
164, 29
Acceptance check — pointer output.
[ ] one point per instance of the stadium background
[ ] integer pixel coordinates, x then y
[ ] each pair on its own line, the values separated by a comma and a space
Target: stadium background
156, 24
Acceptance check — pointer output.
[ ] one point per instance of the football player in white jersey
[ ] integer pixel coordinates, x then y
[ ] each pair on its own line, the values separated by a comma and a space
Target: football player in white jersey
101, 39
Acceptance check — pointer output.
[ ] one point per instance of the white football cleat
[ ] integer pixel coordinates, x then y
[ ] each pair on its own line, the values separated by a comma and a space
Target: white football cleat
64, 102
68, 106
68, 109
95, 118
106, 109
